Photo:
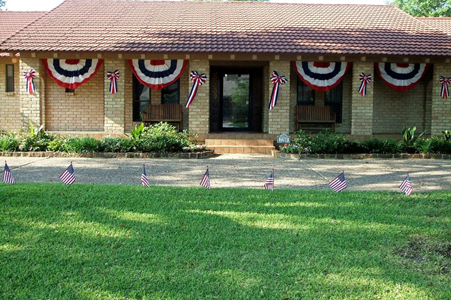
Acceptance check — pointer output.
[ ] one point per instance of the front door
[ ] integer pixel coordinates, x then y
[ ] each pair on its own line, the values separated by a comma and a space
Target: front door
235, 103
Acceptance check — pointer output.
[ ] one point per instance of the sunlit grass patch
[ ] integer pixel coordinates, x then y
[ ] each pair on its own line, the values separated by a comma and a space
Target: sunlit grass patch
131, 242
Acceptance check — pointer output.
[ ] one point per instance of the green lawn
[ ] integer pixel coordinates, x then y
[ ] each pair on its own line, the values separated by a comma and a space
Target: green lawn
132, 242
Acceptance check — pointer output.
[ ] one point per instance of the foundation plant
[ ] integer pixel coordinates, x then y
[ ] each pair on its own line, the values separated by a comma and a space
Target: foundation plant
161, 137
328, 142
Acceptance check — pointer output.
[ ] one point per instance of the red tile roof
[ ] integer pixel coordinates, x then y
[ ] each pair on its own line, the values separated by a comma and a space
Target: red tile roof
443, 24
229, 27
12, 21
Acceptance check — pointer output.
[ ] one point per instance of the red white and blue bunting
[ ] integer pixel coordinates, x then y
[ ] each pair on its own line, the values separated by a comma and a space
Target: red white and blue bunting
113, 77
197, 80
29, 76
401, 77
321, 76
445, 81
157, 74
277, 81
71, 73
364, 81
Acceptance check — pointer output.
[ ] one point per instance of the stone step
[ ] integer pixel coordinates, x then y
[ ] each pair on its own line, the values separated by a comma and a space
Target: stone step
252, 146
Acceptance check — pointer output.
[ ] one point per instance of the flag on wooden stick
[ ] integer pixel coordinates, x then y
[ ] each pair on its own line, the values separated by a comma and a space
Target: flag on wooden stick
269, 184
144, 180
339, 183
205, 182
7, 175
68, 176
406, 186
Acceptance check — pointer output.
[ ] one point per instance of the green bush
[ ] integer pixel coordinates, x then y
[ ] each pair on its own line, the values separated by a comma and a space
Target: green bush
115, 144
57, 144
81, 144
36, 139
161, 137
9, 142
328, 141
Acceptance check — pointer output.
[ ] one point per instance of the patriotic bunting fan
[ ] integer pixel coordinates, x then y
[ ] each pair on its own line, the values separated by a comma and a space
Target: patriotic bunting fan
401, 77
277, 81
321, 76
157, 74
71, 73
197, 80
29, 76
445, 86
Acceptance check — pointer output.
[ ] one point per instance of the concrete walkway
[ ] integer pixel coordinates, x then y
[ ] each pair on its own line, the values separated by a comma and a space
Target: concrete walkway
245, 171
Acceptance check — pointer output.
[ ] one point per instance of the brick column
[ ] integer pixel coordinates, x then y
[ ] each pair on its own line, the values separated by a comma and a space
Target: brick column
362, 106
31, 105
114, 103
441, 107
279, 117
199, 109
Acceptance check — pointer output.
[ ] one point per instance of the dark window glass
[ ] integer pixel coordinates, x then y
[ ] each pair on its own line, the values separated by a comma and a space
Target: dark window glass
9, 78
334, 99
141, 97
305, 95
171, 94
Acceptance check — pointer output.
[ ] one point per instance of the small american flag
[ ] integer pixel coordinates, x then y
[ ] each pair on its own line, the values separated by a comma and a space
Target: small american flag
68, 176
406, 186
205, 182
7, 175
144, 180
269, 184
338, 183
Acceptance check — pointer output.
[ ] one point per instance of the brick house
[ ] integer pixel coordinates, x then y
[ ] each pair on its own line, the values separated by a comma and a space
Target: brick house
237, 45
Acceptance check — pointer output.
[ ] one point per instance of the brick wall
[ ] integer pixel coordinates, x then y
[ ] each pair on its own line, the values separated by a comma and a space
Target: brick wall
394, 110
440, 107
30, 104
362, 107
114, 103
199, 110
279, 116
81, 111
10, 102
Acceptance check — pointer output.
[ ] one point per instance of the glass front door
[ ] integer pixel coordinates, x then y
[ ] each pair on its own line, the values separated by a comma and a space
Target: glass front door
235, 101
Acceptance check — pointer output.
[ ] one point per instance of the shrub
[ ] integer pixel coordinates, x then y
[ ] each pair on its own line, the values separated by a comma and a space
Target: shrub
163, 138
81, 144
57, 144
115, 144
9, 142
328, 142
36, 139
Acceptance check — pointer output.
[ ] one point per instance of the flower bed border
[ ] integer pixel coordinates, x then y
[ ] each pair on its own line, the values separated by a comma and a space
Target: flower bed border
284, 155
194, 155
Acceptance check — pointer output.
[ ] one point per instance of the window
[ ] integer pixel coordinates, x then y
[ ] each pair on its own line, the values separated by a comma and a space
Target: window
9, 78
171, 93
306, 95
334, 99
70, 90
141, 97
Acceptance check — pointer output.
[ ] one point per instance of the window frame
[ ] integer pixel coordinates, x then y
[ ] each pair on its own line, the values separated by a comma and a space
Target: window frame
334, 99
9, 88
166, 91
303, 89
137, 102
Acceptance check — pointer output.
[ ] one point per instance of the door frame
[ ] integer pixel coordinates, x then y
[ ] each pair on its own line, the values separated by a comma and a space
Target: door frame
255, 97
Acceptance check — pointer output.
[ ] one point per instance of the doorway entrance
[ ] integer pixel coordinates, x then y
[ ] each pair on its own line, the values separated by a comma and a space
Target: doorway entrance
236, 96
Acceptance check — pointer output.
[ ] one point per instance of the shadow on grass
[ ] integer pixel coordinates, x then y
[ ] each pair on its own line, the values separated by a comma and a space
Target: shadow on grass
116, 242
